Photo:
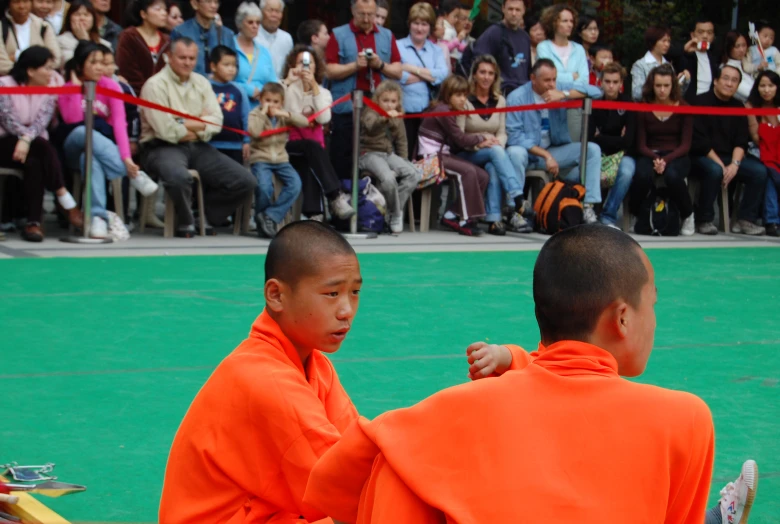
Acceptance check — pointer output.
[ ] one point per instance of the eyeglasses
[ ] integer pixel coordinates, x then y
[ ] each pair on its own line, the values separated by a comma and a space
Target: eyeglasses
210, 2
365, 15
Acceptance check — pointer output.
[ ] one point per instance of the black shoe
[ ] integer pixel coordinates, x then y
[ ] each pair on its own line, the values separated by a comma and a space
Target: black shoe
185, 231
497, 228
772, 230
265, 225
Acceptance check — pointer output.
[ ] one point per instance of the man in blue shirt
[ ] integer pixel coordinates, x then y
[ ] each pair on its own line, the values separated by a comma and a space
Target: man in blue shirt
206, 31
540, 139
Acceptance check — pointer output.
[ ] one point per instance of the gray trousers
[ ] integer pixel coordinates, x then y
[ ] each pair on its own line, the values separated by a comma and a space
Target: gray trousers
225, 183
397, 178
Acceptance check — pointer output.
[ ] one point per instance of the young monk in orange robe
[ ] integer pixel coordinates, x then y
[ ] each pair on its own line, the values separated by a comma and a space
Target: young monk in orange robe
246, 446
562, 439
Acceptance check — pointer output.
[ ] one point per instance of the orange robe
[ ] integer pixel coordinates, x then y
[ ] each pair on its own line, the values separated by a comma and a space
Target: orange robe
563, 440
246, 446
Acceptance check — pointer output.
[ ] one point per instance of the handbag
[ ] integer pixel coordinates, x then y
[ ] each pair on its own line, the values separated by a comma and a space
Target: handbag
431, 169
609, 168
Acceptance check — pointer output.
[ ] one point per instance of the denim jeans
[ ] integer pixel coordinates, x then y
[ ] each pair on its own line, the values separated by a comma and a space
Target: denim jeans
106, 164
617, 193
771, 207
504, 177
264, 192
568, 156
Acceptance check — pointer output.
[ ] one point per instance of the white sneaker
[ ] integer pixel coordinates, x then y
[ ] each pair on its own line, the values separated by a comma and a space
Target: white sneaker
688, 226
397, 224
589, 214
144, 184
98, 228
737, 497
341, 208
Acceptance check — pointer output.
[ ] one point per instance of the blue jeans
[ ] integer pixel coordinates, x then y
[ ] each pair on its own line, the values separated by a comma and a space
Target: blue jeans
771, 207
264, 192
568, 156
504, 177
107, 165
617, 193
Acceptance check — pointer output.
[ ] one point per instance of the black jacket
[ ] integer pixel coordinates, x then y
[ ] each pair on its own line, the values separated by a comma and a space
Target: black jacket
691, 63
719, 133
610, 124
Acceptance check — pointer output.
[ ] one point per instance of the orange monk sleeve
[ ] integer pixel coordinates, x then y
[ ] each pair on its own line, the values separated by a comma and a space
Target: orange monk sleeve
339, 475
692, 463
520, 357
291, 430
386, 499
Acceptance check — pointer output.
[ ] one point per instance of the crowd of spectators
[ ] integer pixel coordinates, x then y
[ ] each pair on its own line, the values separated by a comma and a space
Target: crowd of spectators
258, 79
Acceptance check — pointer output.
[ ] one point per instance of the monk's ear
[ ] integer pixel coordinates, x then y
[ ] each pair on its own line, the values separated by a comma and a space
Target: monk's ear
622, 318
273, 291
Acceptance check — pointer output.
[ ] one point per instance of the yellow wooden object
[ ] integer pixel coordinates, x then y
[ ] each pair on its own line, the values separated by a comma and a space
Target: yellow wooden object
31, 510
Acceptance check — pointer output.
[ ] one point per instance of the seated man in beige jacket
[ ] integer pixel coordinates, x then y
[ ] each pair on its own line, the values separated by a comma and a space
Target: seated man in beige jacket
22, 29
170, 146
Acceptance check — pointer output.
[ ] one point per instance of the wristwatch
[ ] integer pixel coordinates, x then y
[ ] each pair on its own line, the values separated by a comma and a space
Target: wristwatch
736, 162
566, 93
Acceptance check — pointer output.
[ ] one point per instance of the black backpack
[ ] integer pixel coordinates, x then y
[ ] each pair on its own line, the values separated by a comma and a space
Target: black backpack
559, 206
658, 215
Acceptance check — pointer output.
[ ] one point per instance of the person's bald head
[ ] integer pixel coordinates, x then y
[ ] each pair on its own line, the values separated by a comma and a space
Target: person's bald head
581, 275
300, 249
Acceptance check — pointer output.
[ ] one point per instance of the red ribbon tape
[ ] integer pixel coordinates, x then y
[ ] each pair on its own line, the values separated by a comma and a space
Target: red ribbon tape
571, 104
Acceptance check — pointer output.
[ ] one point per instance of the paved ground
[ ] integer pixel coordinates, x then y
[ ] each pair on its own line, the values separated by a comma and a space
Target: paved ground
152, 243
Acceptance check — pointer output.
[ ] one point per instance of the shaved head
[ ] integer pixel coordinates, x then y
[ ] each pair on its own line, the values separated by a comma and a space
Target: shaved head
300, 248
580, 272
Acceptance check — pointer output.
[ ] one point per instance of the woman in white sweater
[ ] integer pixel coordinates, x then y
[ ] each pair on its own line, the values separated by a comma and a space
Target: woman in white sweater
303, 74
735, 50
485, 93
79, 24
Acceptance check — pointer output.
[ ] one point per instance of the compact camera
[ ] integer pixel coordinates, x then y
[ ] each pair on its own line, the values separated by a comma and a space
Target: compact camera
306, 60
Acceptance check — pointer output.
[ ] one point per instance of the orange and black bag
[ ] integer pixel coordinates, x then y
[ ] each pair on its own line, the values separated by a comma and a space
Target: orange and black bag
559, 206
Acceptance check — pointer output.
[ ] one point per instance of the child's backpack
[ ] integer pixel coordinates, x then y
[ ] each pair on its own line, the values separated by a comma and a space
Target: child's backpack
559, 206
658, 215
371, 207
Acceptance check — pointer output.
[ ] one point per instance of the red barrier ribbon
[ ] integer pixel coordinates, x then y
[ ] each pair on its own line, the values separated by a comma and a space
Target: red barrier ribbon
151, 105
570, 104
686, 109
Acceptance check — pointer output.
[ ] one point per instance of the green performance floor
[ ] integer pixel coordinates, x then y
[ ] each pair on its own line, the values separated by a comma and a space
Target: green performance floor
101, 357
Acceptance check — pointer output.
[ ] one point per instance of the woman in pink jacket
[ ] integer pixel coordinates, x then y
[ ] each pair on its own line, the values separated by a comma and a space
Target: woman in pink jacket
111, 146
24, 141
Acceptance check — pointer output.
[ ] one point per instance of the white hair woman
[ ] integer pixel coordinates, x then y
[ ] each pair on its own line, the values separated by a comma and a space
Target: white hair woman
255, 66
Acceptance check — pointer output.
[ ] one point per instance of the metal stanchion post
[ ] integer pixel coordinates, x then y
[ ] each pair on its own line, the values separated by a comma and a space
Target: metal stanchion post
357, 105
587, 109
89, 124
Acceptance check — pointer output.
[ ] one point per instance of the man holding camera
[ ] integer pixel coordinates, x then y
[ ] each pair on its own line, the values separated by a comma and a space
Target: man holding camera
700, 62
359, 56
